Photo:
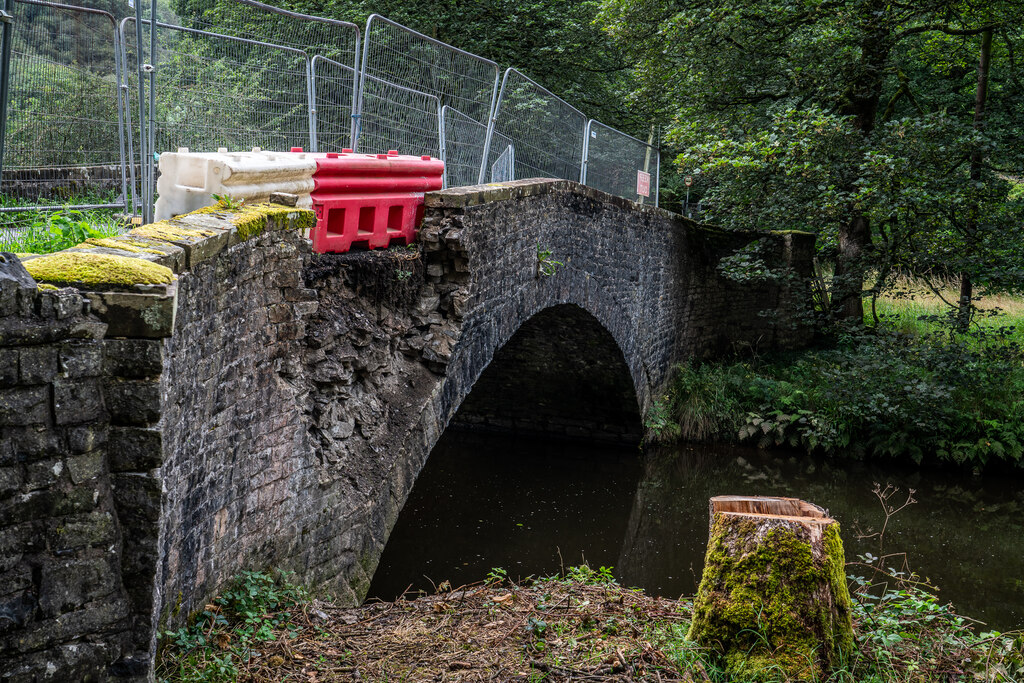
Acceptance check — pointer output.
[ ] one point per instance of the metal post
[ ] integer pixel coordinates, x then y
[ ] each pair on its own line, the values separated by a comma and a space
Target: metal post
586, 152
311, 100
490, 129
5, 76
442, 143
152, 111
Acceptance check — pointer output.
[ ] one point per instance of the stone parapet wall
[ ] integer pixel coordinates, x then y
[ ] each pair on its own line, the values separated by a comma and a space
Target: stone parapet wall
268, 407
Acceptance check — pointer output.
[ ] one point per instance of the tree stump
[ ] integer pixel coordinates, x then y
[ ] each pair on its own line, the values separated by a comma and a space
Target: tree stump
773, 599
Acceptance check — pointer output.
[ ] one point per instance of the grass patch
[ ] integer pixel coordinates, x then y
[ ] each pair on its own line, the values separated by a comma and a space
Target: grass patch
578, 626
47, 232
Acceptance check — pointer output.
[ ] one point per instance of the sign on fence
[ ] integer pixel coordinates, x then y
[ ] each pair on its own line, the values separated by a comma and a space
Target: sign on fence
643, 184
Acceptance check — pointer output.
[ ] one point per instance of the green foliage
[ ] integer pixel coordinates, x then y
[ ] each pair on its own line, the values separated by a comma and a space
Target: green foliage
787, 119
50, 232
228, 202
546, 266
218, 639
882, 393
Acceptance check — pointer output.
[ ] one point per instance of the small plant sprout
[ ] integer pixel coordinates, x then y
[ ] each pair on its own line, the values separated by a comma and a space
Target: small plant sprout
228, 202
546, 265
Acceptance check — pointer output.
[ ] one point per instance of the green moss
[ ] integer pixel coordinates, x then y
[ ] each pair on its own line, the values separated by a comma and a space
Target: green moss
46, 287
73, 268
252, 219
123, 245
167, 231
757, 603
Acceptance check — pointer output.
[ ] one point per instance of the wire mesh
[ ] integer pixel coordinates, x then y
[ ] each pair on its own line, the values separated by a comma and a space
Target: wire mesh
464, 141
63, 139
399, 118
546, 131
399, 55
332, 38
217, 91
334, 86
614, 160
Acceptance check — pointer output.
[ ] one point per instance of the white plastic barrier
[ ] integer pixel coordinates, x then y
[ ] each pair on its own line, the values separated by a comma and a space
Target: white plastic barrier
188, 180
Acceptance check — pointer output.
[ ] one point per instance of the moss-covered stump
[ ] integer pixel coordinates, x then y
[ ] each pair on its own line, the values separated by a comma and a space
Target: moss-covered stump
773, 600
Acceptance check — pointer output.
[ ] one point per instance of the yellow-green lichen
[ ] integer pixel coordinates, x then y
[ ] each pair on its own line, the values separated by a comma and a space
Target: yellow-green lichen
45, 286
123, 245
252, 219
167, 231
74, 268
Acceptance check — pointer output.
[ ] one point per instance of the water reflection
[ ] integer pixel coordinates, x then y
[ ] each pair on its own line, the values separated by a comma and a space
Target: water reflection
486, 501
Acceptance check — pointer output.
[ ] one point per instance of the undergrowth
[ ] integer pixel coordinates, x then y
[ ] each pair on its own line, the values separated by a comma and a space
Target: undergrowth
47, 232
876, 392
579, 625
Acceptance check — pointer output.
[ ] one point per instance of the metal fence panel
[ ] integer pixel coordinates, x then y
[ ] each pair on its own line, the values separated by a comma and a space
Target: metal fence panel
399, 55
334, 92
216, 91
464, 142
332, 38
613, 160
547, 132
63, 134
213, 91
399, 118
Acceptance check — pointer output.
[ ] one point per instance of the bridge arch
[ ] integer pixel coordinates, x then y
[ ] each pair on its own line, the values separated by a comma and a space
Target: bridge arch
561, 375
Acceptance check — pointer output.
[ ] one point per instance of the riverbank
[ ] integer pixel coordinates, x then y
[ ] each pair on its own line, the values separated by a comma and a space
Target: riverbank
581, 627
908, 387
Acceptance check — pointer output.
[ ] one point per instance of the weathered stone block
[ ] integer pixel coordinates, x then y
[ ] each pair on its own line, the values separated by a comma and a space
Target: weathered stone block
136, 314
77, 401
82, 468
133, 358
24, 406
134, 449
132, 402
81, 359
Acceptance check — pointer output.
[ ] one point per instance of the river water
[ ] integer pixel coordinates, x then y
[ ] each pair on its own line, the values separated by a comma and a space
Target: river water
532, 506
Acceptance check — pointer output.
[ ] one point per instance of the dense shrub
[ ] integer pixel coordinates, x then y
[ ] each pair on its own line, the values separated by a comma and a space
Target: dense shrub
877, 393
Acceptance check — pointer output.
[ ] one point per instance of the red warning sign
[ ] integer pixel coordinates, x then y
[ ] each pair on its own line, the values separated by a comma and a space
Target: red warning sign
643, 184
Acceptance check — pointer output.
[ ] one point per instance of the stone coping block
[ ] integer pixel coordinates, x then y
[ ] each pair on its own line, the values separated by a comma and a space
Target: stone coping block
473, 195
171, 247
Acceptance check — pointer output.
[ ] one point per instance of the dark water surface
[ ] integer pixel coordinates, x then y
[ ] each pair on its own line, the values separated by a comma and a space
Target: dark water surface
533, 506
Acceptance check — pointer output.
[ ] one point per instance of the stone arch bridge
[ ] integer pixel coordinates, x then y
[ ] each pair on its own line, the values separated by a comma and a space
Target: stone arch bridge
273, 407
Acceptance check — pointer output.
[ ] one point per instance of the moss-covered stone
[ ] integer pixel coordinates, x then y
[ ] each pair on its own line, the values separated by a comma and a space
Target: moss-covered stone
170, 232
773, 599
252, 219
122, 244
94, 270
46, 287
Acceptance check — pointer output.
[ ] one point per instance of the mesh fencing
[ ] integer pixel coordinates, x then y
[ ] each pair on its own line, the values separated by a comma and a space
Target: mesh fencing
464, 142
399, 55
217, 91
244, 74
395, 117
64, 137
614, 159
334, 39
547, 132
334, 92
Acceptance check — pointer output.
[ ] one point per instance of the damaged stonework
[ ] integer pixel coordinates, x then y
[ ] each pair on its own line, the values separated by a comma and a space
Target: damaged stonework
278, 411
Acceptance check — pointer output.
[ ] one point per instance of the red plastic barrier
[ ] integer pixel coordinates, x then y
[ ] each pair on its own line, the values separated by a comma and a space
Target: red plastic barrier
370, 200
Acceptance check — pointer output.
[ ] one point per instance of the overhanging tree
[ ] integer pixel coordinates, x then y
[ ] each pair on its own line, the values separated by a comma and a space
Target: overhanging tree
855, 119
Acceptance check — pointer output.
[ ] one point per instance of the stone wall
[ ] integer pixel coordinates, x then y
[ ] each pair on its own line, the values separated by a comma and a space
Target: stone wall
273, 407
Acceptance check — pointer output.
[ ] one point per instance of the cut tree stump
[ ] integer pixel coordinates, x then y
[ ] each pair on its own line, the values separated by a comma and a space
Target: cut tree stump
773, 600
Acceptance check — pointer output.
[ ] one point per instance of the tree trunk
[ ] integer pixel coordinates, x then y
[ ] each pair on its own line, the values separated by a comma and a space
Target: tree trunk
862, 100
773, 597
980, 96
